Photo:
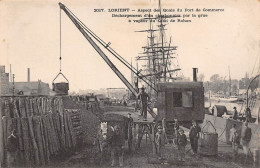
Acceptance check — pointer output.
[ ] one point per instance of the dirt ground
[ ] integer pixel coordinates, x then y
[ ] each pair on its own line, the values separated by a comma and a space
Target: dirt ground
89, 157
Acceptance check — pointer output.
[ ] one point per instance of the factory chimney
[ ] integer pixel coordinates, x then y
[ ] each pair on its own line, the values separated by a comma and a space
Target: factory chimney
195, 70
28, 75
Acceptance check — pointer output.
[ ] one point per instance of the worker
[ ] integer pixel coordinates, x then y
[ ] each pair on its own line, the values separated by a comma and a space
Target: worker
12, 149
125, 103
181, 143
100, 139
100, 142
129, 133
116, 142
212, 111
144, 97
246, 138
234, 139
235, 114
194, 136
161, 140
176, 132
248, 115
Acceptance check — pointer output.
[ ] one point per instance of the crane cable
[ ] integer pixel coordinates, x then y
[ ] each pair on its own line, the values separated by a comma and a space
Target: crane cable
60, 73
60, 40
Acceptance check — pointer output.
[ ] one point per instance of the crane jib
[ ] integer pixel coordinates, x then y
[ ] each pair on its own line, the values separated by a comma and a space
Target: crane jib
107, 47
100, 52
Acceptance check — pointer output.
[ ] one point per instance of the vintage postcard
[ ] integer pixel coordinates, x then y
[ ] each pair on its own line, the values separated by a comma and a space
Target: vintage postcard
133, 83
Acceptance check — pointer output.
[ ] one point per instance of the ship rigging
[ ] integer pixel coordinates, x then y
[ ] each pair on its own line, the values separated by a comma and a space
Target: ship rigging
160, 60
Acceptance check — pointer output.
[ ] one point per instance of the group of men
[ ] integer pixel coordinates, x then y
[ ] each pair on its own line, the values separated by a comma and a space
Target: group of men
180, 140
117, 142
248, 115
245, 139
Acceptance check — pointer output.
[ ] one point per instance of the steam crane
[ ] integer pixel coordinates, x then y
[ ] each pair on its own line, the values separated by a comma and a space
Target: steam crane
87, 33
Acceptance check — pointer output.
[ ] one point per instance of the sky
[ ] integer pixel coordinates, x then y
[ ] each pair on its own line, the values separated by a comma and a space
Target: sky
29, 38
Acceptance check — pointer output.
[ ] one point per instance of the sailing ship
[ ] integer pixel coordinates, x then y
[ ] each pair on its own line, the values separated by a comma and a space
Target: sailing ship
158, 59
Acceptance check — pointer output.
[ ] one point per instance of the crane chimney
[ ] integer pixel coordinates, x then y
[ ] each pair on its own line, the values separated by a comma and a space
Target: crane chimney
195, 70
28, 75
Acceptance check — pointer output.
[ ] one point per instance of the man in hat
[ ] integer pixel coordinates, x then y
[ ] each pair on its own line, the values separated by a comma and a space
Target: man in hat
194, 136
235, 114
161, 140
144, 97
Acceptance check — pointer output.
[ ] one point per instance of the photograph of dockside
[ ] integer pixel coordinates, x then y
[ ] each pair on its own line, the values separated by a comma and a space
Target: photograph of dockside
133, 83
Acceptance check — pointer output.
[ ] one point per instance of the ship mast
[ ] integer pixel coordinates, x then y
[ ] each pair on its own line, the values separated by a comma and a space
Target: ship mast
158, 55
229, 82
161, 28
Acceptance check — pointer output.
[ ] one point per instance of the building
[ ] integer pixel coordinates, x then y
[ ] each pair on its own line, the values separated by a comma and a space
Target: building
36, 88
29, 88
4, 81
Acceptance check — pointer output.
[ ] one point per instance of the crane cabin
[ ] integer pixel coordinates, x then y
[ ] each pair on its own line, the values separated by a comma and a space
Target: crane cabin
183, 101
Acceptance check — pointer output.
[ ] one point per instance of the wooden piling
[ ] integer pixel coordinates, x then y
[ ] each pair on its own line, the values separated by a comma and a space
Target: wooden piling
20, 139
26, 140
38, 137
67, 133
53, 134
1, 135
22, 107
34, 144
46, 140
43, 126
7, 109
73, 138
62, 128
56, 125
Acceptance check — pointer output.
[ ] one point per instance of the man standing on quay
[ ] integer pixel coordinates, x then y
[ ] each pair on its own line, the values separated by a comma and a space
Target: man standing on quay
194, 136
116, 143
246, 138
234, 139
144, 97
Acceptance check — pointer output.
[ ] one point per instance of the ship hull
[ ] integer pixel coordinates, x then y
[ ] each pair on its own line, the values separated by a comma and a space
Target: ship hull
228, 99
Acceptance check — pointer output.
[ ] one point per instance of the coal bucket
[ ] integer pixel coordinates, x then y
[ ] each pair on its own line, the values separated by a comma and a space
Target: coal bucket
60, 88
208, 142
